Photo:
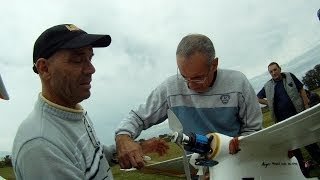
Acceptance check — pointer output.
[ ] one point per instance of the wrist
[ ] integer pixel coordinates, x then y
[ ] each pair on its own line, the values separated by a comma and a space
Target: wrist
123, 137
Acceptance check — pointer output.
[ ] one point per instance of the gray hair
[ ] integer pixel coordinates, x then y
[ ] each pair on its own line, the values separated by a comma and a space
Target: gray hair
193, 43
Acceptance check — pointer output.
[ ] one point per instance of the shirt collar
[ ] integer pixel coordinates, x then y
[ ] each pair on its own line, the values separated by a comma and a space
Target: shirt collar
78, 108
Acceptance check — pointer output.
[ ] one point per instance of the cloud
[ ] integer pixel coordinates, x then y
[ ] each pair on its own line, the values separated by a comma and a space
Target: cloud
246, 34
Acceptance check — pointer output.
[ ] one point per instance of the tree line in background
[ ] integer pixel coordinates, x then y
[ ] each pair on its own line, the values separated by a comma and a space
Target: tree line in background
312, 78
5, 162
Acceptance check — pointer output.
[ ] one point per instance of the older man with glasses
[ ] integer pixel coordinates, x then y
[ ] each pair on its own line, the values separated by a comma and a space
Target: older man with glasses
205, 99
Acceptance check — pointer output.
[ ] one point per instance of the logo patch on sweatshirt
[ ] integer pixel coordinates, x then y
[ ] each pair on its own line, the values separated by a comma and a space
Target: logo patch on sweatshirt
224, 98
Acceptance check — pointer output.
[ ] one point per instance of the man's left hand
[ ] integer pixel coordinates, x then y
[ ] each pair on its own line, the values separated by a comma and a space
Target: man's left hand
234, 145
156, 145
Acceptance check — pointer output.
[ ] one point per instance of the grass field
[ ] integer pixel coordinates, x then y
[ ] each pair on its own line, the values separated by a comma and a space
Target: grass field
7, 173
174, 151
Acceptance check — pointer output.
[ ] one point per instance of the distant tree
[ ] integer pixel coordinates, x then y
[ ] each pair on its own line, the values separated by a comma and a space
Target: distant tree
317, 75
6, 161
2, 164
312, 78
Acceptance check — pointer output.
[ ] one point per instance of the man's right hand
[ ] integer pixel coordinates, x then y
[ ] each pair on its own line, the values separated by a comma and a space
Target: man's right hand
129, 152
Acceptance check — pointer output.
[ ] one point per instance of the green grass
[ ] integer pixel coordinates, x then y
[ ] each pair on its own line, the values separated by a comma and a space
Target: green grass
317, 91
173, 152
7, 173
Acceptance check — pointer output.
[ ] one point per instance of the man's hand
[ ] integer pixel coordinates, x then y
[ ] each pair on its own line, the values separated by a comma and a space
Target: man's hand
156, 145
129, 152
234, 145
263, 101
290, 154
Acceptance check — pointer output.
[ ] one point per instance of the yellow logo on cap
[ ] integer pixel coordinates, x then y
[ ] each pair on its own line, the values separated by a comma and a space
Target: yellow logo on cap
72, 27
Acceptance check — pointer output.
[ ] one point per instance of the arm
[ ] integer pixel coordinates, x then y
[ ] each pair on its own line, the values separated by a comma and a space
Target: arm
314, 99
305, 99
157, 145
130, 153
110, 154
154, 111
263, 101
261, 97
250, 111
39, 159
301, 90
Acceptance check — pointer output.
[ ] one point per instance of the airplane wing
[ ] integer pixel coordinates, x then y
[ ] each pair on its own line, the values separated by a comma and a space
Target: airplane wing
264, 155
295, 132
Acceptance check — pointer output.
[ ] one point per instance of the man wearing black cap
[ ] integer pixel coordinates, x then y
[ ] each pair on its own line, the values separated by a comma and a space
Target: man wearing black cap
57, 139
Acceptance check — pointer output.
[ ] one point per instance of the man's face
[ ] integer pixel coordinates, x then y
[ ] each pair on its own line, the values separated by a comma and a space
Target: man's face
70, 75
196, 71
275, 72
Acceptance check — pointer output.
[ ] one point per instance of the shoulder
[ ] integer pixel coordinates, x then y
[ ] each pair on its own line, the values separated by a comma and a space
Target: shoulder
29, 129
38, 158
296, 81
38, 145
270, 81
167, 82
232, 78
294, 77
173, 84
230, 81
170, 80
33, 132
227, 73
34, 149
291, 74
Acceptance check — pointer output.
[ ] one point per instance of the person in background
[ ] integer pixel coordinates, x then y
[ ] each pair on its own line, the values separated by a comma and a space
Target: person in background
313, 97
57, 140
285, 97
313, 149
3, 92
204, 98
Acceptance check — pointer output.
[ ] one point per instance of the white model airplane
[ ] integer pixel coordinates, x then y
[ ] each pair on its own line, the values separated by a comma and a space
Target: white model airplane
263, 155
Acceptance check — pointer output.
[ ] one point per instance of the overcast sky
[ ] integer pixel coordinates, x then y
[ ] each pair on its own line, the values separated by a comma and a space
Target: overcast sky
247, 35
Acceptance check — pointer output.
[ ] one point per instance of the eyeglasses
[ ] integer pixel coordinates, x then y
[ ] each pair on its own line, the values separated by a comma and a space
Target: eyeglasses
197, 80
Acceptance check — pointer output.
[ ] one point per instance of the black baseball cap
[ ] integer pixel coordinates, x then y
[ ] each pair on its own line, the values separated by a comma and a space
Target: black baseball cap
65, 36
